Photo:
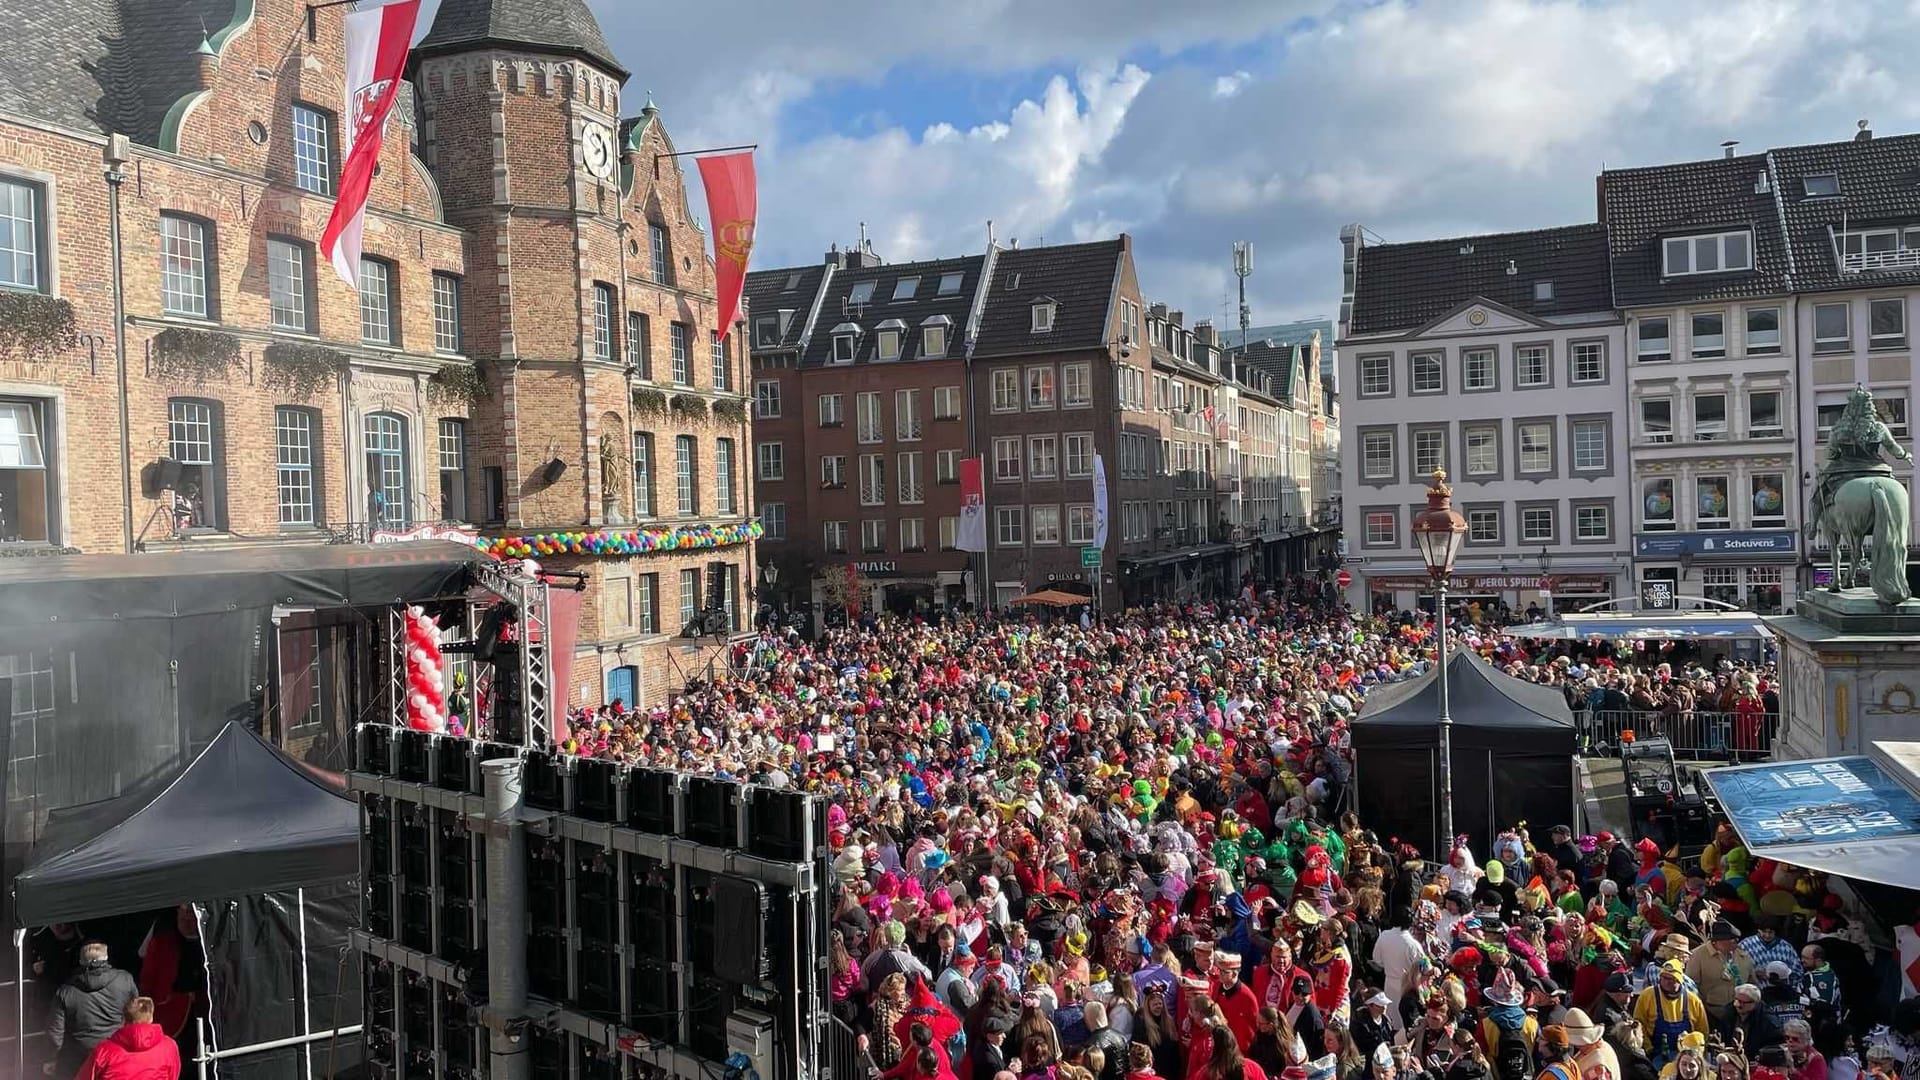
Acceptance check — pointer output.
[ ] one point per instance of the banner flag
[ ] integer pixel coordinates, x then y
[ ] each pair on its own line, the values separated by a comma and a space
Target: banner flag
377, 42
732, 204
973, 506
1099, 503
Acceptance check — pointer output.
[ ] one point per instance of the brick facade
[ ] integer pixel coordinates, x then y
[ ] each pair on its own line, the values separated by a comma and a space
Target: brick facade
482, 181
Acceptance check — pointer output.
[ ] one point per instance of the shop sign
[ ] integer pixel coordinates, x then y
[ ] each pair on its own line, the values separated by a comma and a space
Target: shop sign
1566, 584
1673, 545
874, 567
427, 532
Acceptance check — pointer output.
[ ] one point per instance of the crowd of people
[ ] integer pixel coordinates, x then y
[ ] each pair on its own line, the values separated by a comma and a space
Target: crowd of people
1123, 849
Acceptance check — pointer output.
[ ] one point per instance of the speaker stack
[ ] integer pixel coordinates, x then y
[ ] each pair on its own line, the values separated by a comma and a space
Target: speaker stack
658, 907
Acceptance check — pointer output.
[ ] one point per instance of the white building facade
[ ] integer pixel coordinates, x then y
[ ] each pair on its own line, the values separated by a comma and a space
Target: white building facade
1500, 360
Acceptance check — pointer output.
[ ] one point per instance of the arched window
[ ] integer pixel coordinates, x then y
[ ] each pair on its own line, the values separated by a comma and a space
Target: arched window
389, 469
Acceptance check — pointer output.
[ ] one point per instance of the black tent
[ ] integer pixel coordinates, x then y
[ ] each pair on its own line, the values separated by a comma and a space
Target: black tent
267, 852
1513, 748
243, 819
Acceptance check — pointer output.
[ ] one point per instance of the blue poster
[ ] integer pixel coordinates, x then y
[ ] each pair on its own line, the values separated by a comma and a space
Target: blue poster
1822, 801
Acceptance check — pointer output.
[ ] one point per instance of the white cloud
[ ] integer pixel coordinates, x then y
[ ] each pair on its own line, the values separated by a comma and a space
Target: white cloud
1419, 118
1227, 86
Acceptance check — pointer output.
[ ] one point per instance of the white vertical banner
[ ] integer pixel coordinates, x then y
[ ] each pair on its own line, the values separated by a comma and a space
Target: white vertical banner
1099, 502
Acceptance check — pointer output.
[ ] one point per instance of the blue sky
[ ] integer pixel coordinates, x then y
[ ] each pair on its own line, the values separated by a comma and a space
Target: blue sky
1197, 124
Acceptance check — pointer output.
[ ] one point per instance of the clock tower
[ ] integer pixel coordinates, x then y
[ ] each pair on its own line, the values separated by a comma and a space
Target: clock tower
589, 302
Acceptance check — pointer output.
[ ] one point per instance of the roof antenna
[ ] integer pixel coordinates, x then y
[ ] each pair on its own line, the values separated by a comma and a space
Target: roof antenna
1865, 134
1512, 268
989, 234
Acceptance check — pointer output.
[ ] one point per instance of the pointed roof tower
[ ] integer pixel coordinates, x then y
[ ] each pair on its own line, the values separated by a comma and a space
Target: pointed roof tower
559, 26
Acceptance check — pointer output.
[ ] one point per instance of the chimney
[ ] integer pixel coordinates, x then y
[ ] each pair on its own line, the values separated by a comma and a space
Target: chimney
835, 259
1600, 198
1865, 134
1158, 311
1726, 148
1177, 318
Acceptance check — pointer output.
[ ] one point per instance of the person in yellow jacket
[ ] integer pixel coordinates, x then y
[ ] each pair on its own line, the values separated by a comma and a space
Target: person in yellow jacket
1669, 1010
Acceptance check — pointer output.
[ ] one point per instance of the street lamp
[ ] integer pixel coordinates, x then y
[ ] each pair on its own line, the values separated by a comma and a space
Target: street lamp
1439, 530
770, 574
1546, 583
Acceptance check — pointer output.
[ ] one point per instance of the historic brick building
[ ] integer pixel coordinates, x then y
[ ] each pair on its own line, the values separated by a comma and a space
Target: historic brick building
531, 350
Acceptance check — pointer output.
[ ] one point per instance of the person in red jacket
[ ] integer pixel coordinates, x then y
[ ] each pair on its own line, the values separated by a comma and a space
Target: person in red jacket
140, 1050
1235, 998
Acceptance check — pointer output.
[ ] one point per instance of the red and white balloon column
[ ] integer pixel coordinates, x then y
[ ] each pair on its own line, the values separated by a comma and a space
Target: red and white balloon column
426, 682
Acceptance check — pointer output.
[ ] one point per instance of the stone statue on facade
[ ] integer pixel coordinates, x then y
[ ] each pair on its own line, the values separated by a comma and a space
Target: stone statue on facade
1856, 497
610, 477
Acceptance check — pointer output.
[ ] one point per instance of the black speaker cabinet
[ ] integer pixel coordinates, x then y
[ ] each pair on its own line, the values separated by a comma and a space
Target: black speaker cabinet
596, 896
460, 1030
414, 756
416, 918
546, 883
595, 1062
599, 974
416, 1010
650, 801
547, 1054
650, 909
655, 999
373, 749
741, 910
595, 784
712, 814
547, 963
544, 782
776, 824
456, 766
379, 905
456, 855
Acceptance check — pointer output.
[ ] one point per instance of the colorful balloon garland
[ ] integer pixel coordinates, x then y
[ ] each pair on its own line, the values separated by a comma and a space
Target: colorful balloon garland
615, 542
426, 683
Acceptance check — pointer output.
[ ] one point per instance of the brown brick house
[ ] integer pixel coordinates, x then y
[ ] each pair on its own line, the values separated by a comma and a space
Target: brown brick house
531, 349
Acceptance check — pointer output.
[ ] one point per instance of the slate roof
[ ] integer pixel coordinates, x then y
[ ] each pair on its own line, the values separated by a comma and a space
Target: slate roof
1281, 360
65, 62
1080, 279
926, 302
1402, 287
561, 26
108, 65
1643, 207
1297, 333
1879, 185
768, 295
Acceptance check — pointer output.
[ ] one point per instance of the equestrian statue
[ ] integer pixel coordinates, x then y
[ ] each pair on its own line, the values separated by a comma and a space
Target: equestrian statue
1856, 497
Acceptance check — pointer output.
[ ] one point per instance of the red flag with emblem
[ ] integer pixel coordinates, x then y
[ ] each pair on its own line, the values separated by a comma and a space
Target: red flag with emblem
732, 205
377, 43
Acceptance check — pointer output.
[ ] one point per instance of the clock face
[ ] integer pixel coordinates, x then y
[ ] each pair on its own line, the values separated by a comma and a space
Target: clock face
596, 150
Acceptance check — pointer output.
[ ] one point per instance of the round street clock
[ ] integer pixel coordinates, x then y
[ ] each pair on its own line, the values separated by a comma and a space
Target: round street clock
596, 150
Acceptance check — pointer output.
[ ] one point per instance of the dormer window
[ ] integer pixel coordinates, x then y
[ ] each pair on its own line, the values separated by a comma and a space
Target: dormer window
1043, 316
845, 337
793, 281
1879, 248
949, 285
1543, 290
905, 288
766, 331
1712, 253
1821, 185
933, 336
887, 339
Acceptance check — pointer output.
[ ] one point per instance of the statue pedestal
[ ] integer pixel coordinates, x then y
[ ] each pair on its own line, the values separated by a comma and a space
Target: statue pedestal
1849, 673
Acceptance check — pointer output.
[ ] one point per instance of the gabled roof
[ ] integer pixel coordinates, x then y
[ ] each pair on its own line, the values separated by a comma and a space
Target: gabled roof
1283, 361
768, 294
835, 307
1078, 278
566, 27
1402, 287
1643, 207
1879, 185
1300, 332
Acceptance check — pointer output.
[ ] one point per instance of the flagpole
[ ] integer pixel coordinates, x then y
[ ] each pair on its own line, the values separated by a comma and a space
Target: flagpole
708, 150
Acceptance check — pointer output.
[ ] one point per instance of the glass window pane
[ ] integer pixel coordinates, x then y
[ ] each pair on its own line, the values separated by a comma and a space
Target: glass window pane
312, 150
287, 285
19, 234
183, 267
376, 302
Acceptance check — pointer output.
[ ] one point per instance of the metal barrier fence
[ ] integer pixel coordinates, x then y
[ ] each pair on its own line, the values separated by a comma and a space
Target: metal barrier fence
845, 1060
1697, 735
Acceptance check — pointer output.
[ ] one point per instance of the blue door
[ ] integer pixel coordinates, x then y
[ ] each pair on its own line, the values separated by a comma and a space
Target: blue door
620, 685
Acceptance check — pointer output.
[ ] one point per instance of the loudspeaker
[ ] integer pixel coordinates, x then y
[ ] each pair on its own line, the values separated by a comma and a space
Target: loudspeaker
486, 640
740, 914
543, 782
599, 973
378, 897
459, 1030
414, 756
456, 856
596, 896
416, 918
656, 1002
716, 586
650, 909
373, 749
546, 883
595, 783
776, 824
552, 471
711, 815
416, 1011
546, 1054
456, 765
650, 801
159, 476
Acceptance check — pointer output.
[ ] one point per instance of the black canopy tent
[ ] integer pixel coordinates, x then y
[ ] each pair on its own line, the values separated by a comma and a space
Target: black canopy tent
266, 850
1513, 748
135, 664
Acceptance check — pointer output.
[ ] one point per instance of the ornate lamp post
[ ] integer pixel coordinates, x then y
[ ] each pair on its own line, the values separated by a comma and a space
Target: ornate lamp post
1439, 530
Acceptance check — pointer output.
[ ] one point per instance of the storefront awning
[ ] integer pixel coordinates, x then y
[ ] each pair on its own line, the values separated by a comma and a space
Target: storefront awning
1647, 627
1841, 816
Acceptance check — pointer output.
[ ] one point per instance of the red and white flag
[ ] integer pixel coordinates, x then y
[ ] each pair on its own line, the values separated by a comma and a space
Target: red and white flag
733, 201
377, 43
972, 534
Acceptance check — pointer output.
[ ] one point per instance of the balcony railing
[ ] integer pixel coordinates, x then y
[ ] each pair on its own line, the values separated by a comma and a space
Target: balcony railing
1860, 261
908, 430
1226, 484
1697, 734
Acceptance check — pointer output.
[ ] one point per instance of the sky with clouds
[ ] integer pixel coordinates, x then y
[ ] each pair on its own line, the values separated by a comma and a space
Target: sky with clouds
1196, 124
